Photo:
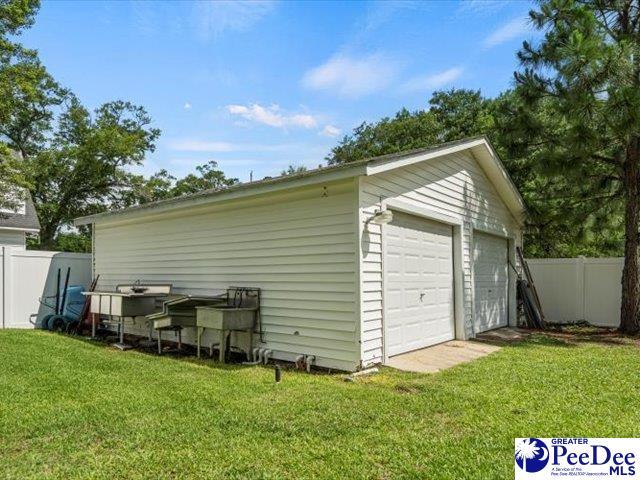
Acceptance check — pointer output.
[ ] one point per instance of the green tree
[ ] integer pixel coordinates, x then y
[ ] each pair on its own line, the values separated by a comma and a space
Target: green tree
587, 68
81, 168
158, 186
73, 162
20, 74
162, 185
293, 170
207, 178
15, 17
452, 115
406, 130
12, 180
565, 217
462, 113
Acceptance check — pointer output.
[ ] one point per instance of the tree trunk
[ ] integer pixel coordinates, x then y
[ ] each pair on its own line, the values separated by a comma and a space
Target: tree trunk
630, 280
47, 236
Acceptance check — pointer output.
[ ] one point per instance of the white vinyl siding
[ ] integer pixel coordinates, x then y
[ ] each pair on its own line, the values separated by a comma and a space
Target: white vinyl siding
12, 238
453, 185
298, 246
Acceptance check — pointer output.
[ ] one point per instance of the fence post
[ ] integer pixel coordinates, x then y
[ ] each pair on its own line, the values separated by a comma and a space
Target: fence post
7, 292
3, 279
580, 286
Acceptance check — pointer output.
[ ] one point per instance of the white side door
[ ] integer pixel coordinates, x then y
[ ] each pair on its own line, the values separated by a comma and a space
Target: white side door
418, 283
491, 281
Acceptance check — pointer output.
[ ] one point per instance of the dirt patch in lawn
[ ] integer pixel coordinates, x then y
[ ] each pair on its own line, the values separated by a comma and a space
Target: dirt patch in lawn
585, 333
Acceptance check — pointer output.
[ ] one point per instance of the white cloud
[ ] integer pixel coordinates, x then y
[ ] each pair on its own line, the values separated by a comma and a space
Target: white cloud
330, 131
194, 145
272, 116
433, 81
225, 162
216, 16
481, 7
303, 120
513, 29
208, 146
380, 13
187, 106
352, 77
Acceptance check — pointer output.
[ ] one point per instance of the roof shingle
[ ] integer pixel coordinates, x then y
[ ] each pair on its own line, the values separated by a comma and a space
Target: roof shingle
28, 221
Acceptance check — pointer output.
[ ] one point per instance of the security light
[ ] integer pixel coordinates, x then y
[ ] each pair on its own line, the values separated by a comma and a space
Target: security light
382, 217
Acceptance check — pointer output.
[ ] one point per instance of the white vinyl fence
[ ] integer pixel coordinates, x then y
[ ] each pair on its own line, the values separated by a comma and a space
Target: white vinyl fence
28, 275
575, 289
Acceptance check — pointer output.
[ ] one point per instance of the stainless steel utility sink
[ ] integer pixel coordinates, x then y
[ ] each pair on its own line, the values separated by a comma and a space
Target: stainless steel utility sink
178, 313
181, 311
225, 317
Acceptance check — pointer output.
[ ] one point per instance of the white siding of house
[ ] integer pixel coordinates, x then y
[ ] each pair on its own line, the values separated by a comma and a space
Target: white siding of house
298, 246
12, 238
453, 185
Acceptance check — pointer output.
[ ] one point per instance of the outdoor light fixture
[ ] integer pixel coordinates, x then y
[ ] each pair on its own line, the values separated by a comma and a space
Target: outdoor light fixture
381, 217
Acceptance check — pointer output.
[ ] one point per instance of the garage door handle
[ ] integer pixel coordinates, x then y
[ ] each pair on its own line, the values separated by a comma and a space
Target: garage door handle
421, 296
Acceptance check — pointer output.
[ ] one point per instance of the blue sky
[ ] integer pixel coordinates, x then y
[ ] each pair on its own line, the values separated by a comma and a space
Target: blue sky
258, 86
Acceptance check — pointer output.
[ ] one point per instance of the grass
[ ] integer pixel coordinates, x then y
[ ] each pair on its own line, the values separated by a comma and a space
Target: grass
73, 409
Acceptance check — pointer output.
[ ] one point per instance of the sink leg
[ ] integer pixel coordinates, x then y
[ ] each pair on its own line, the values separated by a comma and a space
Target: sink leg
223, 345
159, 342
250, 347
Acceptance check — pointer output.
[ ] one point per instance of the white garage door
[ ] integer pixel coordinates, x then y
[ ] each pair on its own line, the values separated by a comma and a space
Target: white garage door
491, 279
418, 283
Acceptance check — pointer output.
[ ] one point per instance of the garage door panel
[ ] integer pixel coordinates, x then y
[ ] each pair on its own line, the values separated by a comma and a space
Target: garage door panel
491, 281
418, 283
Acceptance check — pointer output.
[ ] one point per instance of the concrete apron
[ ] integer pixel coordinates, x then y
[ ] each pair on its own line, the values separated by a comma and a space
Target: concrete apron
438, 357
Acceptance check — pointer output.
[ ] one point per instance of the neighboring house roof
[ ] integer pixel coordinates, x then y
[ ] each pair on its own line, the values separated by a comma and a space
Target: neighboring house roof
23, 221
480, 147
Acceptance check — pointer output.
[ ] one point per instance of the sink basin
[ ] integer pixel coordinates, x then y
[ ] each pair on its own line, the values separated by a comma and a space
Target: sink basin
225, 318
176, 319
180, 311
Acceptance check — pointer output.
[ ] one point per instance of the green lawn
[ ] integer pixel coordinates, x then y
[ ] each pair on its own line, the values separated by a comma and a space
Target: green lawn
73, 409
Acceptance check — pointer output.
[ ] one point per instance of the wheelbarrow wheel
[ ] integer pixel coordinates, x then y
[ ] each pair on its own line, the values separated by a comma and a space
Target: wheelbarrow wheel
44, 324
58, 323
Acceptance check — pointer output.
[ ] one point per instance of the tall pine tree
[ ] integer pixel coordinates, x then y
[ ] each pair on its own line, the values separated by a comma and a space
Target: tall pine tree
587, 69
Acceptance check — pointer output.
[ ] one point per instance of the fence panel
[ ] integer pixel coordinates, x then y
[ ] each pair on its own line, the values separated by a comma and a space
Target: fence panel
603, 291
28, 275
576, 289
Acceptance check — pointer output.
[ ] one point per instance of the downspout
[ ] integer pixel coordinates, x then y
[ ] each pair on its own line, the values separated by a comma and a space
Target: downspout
93, 251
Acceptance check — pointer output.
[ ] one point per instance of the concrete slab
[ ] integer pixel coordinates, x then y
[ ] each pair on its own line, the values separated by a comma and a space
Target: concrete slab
503, 336
445, 355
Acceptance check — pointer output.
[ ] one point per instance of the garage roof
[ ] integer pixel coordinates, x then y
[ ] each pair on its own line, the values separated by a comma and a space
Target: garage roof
480, 148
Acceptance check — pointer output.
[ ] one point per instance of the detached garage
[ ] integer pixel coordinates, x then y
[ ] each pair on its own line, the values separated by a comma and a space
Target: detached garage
356, 262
